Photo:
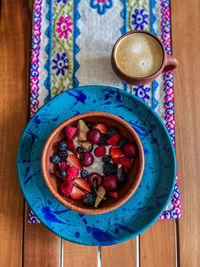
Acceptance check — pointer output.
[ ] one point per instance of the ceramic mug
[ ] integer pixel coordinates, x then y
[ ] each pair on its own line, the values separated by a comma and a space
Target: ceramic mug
168, 62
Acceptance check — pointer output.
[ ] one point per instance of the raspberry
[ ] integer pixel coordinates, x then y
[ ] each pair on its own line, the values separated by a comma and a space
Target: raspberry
72, 173
66, 188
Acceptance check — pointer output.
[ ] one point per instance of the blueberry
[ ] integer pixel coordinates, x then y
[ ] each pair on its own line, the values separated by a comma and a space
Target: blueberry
89, 125
89, 199
90, 148
112, 131
62, 146
106, 158
122, 142
62, 173
80, 150
84, 173
55, 159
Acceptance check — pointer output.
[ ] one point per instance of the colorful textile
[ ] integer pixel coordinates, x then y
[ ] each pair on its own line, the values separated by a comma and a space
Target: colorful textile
72, 44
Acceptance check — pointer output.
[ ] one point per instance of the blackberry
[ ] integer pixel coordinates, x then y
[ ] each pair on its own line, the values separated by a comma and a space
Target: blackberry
80, 150
109, 168
106, 158
89, 199
62, 146
122, 142
112, 131
55, 159
103, 140
84, 173
89, 125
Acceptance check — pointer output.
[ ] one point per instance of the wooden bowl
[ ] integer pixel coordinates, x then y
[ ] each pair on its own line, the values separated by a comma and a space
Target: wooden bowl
134, 175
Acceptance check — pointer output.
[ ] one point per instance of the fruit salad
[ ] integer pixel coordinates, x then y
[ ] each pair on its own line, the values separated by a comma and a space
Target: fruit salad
92, 162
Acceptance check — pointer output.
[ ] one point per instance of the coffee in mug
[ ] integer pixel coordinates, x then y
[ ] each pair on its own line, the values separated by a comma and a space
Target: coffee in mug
139, 57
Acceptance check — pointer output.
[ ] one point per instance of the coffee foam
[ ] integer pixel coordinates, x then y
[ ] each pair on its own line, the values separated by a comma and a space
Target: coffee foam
139, 55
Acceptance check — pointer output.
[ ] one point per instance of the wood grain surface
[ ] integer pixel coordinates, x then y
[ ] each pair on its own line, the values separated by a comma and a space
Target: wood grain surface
75, 255
122, 255
186, 40
41, 246
14, 56
157, 245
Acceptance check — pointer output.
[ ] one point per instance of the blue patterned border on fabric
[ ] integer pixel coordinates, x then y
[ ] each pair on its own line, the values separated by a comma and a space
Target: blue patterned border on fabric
48, 33
152, 22
76, 47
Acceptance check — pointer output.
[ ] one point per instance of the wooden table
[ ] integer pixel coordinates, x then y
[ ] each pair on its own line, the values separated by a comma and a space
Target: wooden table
167, 243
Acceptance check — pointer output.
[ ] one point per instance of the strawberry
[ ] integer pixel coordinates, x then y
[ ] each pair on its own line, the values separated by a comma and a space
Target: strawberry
113, 141
82, 184
77, 193
72, 172
71, 146
102, 127
114, 194
71, 132
63, 165
74, 161
125, 162
115, 152
115, 161
100, 151
66, 188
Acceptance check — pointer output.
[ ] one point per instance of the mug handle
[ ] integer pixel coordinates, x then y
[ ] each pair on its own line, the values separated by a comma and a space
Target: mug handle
171, 63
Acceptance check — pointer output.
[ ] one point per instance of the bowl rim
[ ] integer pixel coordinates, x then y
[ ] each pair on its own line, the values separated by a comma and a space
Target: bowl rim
126, 196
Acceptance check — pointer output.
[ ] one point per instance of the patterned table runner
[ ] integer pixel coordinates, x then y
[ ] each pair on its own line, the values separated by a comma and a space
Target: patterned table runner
72, 44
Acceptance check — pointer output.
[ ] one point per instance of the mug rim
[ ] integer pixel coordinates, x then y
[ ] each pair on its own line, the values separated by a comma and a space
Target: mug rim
129, 77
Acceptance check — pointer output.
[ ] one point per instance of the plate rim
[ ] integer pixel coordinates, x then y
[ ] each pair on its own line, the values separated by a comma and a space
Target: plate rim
127, 237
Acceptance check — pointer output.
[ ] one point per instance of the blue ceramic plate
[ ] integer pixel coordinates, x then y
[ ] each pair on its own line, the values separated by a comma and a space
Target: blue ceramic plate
139, 212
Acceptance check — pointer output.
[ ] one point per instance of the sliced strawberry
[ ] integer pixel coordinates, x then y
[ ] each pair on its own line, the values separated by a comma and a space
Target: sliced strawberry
126, 162
102, 127
114, 194
74, 161
66, 188
115, 161
72, 172
115, 152
63, 165
71, 132
77, 193
100, 151
82, 184
71, 146
113, 141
